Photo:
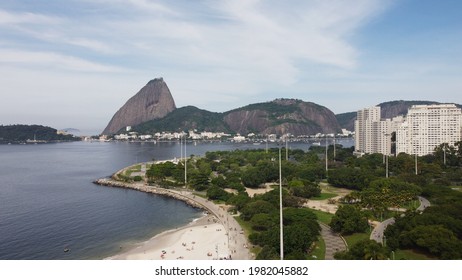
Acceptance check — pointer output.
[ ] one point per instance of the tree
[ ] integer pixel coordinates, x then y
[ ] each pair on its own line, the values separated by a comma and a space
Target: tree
216, 193
303, 188
199, 181
364, 250
219, 181
257, 207
262, 221
268, 253
349, 219
252, 178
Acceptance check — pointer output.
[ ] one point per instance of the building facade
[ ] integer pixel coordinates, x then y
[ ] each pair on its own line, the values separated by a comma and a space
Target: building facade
428, 126
373, 135
364, 130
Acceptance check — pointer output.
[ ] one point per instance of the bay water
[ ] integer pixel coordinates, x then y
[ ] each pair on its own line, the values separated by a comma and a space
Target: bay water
48, 202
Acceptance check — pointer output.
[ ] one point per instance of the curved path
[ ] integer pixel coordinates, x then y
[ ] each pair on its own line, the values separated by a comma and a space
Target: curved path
333, 241
377, 233
424, 203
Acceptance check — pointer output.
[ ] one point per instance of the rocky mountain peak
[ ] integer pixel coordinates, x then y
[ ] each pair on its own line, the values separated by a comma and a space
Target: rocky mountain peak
153, 101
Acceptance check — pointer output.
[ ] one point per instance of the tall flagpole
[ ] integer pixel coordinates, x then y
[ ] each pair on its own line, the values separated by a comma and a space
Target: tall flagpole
281, 225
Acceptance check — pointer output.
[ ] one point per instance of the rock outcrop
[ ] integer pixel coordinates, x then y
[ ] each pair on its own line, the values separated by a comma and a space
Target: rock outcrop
282, 116
153, 101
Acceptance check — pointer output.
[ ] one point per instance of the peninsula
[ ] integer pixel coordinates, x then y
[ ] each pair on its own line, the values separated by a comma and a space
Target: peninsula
33, 134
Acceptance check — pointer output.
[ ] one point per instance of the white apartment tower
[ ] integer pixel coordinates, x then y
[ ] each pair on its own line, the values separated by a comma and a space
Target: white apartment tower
428, 126
364, 130
373, 135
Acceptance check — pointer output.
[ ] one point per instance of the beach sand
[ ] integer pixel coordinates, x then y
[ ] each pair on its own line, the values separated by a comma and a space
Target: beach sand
203, 239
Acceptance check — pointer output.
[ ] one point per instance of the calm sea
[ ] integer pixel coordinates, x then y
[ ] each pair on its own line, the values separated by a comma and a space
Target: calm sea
48, 201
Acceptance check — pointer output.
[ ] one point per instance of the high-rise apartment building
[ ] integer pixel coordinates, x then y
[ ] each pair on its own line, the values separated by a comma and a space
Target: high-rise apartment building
428, 126
373, 135
364, 142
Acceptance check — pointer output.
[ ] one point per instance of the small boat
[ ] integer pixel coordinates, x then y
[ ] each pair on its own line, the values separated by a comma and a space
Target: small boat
66, 250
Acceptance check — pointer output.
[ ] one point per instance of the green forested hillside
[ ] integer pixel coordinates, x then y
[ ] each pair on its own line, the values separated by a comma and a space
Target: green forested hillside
22, 133
185, 118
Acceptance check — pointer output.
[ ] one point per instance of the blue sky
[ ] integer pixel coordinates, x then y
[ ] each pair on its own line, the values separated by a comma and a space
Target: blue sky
74, 63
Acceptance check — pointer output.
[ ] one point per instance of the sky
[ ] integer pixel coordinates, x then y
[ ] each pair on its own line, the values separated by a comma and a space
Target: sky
73, 64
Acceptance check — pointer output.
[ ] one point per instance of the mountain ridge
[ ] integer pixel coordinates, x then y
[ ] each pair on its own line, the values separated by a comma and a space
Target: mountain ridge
153, 110
279, 116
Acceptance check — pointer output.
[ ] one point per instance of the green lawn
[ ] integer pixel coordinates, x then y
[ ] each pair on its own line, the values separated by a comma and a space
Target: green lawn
354, 238
245, 226
319, 252
411, 255
324, 196
323, 217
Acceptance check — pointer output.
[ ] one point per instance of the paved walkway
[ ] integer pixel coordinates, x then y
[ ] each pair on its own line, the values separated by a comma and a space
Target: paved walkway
333, 241
424, 203
377, 233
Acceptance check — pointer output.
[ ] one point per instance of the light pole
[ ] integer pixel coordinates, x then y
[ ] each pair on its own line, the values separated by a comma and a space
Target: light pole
185, 164
386, 153
334, 148
386, 166
280, 208
444, 153
327, 163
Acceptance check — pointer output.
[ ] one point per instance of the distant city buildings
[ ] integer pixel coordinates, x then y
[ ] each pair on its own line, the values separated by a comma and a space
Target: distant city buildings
423, 129
428, 126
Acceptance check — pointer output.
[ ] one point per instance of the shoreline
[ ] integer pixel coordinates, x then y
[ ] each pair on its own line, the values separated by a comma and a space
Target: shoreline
219, 237
201, 239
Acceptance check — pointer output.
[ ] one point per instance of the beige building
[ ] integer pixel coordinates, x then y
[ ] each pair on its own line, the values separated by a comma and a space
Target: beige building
428, 126
373, 135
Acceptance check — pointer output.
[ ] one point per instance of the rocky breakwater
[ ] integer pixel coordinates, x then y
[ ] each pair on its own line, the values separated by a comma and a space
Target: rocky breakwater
150, 189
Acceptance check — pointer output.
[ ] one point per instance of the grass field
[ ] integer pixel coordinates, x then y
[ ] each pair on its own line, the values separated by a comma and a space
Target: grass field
319, 251
324, 196
354, 238
323, 217
410, 255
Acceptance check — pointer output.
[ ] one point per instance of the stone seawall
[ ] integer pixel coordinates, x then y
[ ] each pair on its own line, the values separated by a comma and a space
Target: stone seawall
150, 189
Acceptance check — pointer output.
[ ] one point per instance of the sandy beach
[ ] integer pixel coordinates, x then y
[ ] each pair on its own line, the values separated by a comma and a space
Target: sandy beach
203, 239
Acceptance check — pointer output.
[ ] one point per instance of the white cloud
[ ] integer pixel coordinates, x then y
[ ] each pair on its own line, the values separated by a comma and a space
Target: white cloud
29, 59
12, 18
213, 54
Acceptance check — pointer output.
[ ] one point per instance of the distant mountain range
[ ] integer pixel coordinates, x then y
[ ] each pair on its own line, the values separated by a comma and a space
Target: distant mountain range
153, 110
